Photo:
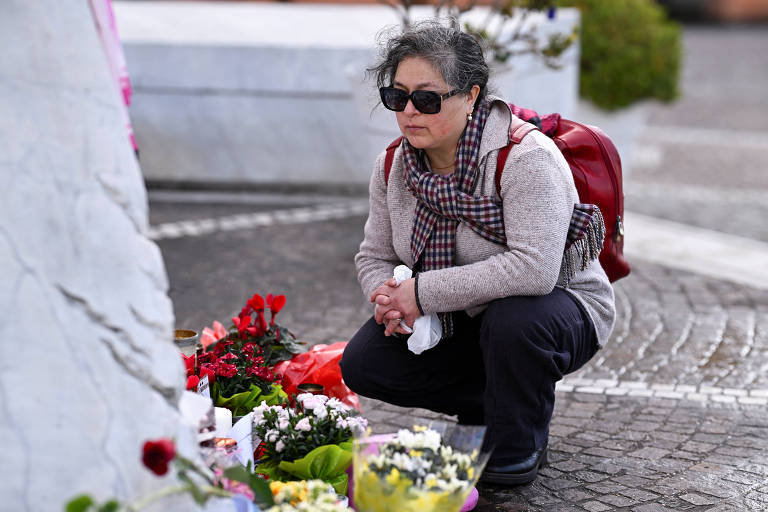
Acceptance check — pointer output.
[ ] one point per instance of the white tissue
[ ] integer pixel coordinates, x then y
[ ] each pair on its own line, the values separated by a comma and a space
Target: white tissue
427, 330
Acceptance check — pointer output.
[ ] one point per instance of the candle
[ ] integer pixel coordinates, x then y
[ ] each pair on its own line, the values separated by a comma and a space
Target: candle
309, 387
223, 421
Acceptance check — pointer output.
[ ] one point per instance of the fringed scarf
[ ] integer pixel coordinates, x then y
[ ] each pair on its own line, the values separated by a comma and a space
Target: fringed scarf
444, 201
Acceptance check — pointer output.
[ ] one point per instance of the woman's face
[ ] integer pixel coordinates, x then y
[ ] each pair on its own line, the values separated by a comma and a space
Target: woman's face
437, 132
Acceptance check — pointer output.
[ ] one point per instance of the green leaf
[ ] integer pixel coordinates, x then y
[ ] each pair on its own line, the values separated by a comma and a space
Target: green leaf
110, 506
242, 403
79, 503
258, 485
328, 463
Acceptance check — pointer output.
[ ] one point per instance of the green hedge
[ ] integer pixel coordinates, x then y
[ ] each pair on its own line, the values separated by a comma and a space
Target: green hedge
630, 50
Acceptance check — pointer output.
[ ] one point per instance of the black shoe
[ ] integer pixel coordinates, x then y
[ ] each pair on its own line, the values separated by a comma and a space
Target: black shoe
516, 473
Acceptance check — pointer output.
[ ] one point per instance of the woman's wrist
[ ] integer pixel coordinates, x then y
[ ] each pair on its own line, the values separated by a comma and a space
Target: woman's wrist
416, 293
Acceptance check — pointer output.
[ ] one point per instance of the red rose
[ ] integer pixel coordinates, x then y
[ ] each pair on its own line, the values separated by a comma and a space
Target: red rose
157, 454
192, 382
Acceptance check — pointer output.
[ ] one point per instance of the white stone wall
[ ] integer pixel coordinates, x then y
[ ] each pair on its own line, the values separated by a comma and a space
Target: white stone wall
259, 91
88, 370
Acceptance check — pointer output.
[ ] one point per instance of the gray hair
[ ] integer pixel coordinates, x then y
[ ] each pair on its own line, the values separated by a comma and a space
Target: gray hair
457, 56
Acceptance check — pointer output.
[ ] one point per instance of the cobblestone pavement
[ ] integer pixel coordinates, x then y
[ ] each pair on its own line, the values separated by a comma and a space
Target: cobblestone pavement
633, 453
672, 414
698, 347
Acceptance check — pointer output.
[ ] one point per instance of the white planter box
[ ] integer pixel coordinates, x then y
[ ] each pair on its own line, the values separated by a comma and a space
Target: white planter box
259, 93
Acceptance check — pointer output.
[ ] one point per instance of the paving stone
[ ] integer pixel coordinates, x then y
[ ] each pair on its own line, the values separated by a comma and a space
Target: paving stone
606, 487
650, 453
651, 507
557, 484
595, 506
693, 446
632, 481
588, 476
698, 499
575, 494
617, 501
568, 466
639, 494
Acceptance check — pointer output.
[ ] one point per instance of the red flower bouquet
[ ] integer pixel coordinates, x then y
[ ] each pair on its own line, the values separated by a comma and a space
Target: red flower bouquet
238, 364
250, 326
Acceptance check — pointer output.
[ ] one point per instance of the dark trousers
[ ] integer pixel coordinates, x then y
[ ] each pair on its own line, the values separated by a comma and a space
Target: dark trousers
499, 369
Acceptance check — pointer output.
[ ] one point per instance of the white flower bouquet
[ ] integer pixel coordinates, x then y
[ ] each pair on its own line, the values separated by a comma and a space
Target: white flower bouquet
427, 469
310, 441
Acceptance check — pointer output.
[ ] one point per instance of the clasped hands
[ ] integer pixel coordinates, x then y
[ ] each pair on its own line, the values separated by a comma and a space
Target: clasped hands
394, 303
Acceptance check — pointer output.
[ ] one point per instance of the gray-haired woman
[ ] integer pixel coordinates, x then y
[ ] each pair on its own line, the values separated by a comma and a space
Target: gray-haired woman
514, 318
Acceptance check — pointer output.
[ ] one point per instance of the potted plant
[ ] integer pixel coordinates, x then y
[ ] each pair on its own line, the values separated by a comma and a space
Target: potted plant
630, 54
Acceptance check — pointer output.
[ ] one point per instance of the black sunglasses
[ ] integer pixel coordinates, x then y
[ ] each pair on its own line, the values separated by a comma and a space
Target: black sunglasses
426, 102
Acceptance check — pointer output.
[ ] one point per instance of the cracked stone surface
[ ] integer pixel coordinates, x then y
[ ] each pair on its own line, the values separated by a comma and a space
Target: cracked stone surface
88, 370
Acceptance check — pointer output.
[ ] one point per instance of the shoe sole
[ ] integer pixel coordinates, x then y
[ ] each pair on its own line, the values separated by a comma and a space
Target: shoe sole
514, 478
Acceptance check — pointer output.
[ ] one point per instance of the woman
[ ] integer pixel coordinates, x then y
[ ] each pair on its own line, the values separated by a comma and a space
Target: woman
515, 319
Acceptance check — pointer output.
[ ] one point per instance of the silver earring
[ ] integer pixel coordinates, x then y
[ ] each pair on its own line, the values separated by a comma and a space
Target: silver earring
469, 116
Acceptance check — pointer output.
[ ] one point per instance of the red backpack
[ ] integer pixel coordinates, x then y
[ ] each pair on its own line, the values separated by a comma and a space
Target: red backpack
596, 169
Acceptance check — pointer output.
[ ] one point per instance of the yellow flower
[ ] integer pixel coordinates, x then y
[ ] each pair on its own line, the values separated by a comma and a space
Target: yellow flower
276, 487
393, 477
471, 473
419, 428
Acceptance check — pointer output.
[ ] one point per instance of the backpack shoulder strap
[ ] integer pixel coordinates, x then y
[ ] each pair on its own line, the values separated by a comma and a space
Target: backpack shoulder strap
518, 129
389, 157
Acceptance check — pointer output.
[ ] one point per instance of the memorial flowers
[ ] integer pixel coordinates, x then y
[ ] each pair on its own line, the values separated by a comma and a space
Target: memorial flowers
238, 376
238, 360
305, 496
250, 326
418, 470
310, 441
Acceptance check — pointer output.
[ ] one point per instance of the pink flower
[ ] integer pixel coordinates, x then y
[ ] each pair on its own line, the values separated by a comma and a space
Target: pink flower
233, 486
241, 322
211, 335
303, 425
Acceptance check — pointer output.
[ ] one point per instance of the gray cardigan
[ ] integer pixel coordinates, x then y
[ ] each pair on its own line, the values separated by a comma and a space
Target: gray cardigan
538, 195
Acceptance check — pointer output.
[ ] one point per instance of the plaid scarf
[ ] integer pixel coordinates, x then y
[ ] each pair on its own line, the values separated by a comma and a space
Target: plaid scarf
444, 201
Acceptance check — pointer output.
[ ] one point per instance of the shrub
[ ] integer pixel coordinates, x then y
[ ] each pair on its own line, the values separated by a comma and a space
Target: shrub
630, 50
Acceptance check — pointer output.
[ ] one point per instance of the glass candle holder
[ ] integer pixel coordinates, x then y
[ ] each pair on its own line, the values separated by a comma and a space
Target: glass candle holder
185, 340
